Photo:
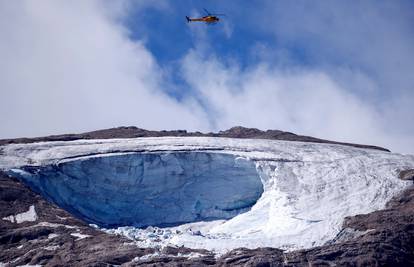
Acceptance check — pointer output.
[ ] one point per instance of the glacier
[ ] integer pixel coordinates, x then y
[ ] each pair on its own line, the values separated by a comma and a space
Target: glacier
211, 193
143, 189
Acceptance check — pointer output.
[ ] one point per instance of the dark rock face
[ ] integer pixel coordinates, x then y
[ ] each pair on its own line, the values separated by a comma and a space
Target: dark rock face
132, 132
55, 238
407, 174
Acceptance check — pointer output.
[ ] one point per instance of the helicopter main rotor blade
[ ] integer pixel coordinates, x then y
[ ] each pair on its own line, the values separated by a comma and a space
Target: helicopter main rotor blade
208, 13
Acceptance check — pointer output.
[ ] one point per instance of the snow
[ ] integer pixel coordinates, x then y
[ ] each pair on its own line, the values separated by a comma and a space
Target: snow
51, 248
147, 257
28, 216
26, 265
156, 254
79, 236
54, 225
306, 189
51, 236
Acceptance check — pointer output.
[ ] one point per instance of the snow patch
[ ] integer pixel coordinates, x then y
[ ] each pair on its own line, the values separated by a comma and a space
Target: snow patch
51, 236
51, 248
79, 236
147, 257
2, 264
61, 218
157, 254
28, 216
54, 225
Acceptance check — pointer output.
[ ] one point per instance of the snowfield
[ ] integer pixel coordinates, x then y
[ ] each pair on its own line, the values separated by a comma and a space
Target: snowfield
212, 193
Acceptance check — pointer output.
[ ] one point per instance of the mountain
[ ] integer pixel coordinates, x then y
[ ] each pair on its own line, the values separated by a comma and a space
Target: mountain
228, 198
133, 132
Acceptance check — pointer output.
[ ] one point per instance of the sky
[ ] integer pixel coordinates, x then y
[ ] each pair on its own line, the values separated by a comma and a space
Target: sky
338, 70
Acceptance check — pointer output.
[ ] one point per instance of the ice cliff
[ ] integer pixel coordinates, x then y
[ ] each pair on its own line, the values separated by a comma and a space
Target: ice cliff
213, 193
150, 188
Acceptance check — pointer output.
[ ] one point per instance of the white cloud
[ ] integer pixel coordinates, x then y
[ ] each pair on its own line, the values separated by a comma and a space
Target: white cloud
371, 37
298, 100
69, 66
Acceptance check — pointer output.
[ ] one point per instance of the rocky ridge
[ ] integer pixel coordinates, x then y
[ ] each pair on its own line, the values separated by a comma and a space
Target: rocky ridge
133, 132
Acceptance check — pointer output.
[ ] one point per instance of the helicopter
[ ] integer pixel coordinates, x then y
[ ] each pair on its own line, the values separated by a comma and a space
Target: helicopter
208, 19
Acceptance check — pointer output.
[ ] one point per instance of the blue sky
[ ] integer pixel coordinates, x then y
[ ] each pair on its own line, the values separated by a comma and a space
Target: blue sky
306, 35
332, 69
169, 36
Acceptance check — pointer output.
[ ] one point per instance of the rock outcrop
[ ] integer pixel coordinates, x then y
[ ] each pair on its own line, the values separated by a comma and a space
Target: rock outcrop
407, 174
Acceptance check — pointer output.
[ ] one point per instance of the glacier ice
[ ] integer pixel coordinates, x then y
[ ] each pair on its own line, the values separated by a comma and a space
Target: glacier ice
251, 193
144, 189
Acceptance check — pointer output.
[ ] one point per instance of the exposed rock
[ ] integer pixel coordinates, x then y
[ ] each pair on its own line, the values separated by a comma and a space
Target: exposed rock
132, 132
407, 174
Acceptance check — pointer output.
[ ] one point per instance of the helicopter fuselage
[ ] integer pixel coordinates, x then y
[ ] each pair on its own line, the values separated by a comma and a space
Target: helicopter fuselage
206, 19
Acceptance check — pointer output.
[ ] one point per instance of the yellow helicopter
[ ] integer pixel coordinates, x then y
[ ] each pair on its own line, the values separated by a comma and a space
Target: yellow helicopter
208, 19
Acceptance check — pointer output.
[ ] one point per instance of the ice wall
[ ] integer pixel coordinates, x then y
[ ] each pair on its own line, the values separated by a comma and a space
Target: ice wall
159, 188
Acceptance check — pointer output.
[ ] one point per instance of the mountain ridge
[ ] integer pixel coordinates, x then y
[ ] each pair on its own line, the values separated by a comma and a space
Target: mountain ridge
234, 132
